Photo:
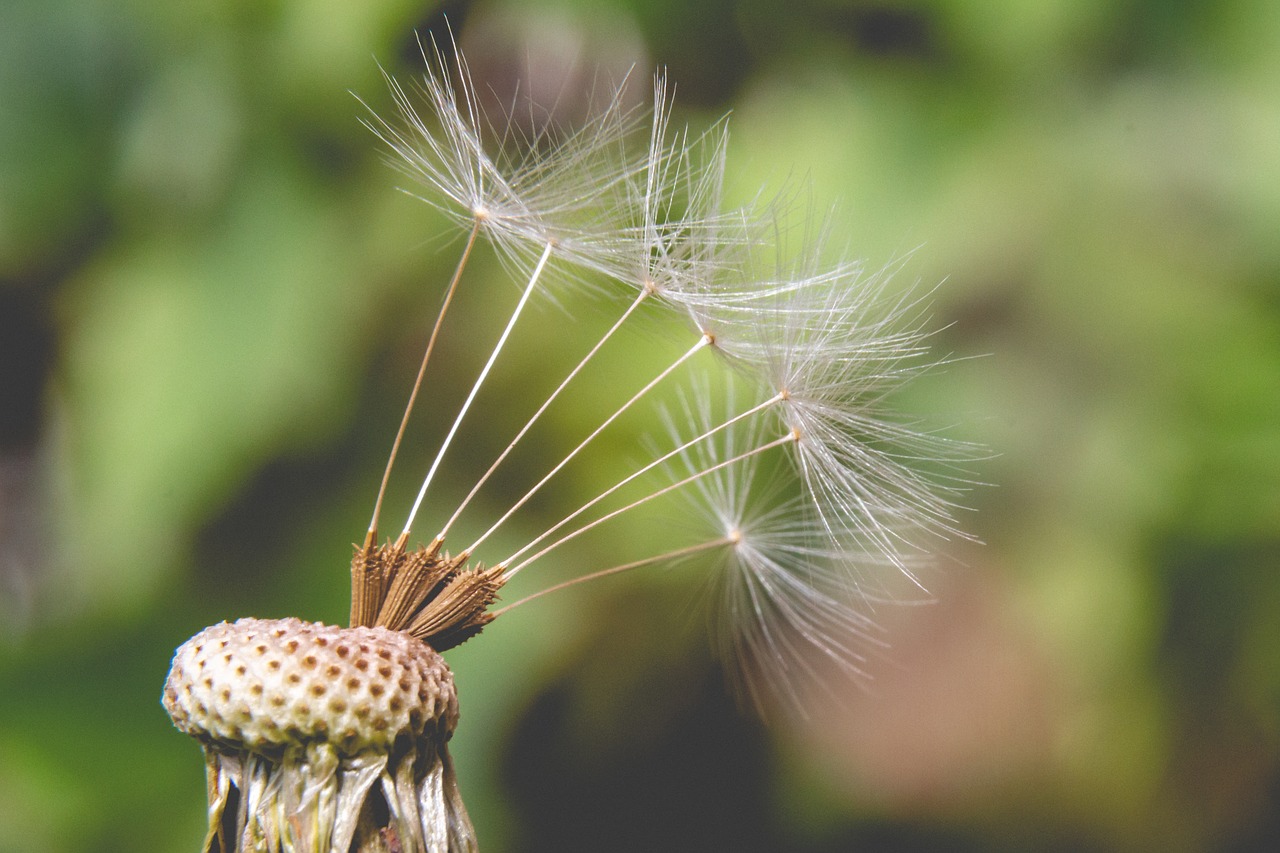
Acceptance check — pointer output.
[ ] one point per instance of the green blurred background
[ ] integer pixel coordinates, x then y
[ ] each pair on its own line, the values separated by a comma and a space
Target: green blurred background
212, 301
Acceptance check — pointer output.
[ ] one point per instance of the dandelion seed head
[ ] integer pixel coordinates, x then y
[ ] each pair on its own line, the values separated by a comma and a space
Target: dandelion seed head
814, 492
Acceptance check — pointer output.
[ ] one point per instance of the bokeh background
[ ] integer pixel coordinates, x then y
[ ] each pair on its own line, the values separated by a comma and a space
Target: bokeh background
212, 300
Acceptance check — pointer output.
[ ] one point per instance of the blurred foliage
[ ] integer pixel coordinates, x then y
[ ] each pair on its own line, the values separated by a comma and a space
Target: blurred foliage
212, 300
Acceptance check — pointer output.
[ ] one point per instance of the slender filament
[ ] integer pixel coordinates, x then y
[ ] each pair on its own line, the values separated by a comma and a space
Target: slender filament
453, 430
647, 561
417, 383
777, 442
703, 341
538, 414
647, 468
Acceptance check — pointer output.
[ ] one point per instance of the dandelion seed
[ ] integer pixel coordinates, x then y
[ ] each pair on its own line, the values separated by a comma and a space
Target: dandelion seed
335, 739
831, 341
787, 605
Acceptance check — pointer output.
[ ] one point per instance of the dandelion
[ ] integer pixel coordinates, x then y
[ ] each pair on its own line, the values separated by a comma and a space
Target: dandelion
335, 739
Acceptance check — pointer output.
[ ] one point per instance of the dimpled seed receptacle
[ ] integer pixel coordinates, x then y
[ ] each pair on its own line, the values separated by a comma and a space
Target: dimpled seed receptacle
299, 721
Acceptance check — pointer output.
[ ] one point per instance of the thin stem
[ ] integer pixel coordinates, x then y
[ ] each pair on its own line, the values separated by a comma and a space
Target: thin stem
417, 383
703, 341
524, 298
648, 561
649, 467
777, 442
538, 414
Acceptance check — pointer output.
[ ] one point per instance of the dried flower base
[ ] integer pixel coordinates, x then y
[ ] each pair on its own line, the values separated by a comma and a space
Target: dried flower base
319, 738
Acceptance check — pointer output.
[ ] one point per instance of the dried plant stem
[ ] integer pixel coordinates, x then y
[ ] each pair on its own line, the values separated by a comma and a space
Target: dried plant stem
703, 341
453, 430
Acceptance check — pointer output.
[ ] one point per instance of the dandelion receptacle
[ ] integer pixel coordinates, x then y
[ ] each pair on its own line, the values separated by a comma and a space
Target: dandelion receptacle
778, 446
